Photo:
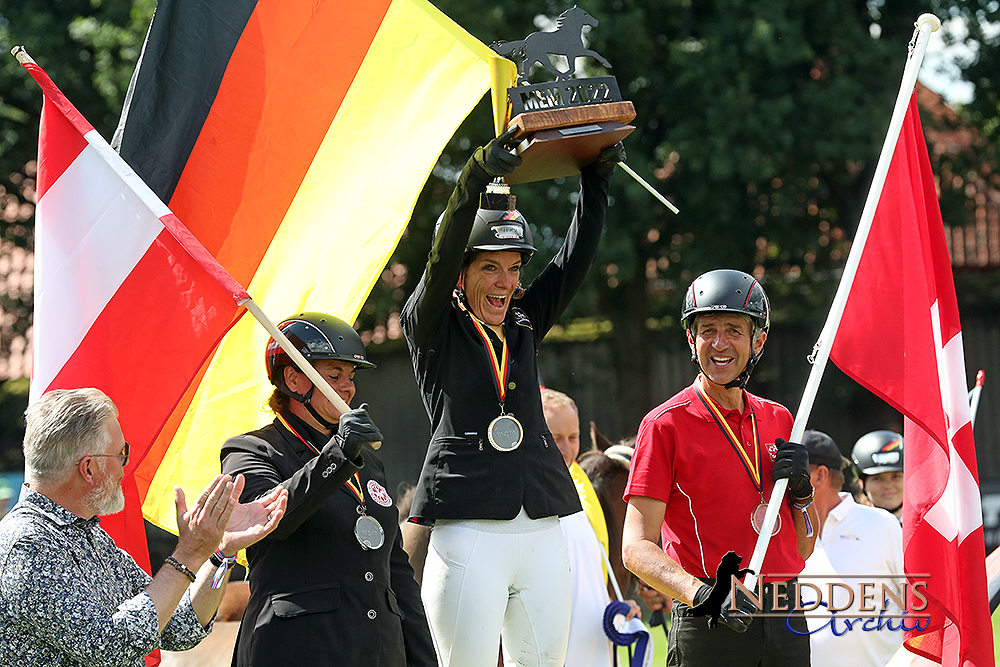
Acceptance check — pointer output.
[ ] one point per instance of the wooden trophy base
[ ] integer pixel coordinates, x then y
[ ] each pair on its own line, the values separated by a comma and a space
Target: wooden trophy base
561, 142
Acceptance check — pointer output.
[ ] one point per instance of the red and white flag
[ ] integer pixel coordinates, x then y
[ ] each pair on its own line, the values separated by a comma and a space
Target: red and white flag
126, 299
901, 338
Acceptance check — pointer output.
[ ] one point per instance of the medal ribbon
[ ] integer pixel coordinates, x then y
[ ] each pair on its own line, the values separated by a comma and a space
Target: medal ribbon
752, 465
499, 366
305, 442
355, 487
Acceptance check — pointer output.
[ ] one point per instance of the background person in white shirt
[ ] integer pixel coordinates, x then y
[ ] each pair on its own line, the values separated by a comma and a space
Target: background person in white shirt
854, 540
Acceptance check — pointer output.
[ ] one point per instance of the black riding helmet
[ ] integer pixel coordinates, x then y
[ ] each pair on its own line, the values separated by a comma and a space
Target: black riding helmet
317, 336
728, 291
501, 230
499, 225
878, 452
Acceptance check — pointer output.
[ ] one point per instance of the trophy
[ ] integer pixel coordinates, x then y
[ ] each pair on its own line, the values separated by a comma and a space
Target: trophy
563, 124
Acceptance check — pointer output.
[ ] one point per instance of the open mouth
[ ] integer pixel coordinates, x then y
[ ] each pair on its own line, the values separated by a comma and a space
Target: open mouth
496, 300
722, 361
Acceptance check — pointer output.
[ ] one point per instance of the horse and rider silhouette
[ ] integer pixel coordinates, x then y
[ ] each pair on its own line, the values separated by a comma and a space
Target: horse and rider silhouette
566, 40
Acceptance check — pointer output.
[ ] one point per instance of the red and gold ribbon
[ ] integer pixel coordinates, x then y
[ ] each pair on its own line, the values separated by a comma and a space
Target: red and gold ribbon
751, 464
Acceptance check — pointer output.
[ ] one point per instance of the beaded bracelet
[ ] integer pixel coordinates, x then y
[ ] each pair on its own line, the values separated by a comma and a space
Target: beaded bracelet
181, 567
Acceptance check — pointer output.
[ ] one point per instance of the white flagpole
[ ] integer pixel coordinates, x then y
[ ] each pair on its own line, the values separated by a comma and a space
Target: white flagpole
300, 361
926, 24
974, 396
641, 181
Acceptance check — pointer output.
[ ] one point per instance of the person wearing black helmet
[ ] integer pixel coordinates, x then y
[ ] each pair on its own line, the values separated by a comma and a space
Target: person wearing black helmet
333, 586
878, 457
704, 465
493, 482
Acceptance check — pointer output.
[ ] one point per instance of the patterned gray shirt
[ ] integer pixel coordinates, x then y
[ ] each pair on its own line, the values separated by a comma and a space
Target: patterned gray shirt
70, 596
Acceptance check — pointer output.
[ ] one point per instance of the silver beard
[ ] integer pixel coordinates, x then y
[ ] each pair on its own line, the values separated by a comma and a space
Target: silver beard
106, 498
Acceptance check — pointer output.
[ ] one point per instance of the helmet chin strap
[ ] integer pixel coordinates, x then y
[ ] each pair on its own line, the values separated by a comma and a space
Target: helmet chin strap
744, 377
306, 400
740, 381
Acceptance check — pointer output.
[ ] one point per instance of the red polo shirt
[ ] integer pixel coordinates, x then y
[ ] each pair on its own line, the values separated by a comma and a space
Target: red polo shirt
682, 458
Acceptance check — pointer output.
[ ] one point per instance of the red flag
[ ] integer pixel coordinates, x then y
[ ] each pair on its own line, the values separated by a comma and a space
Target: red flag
126, 300
901, 338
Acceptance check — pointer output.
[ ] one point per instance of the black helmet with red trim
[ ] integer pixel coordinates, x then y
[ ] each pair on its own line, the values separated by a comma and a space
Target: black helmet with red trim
726, 290
878, 452
317, 336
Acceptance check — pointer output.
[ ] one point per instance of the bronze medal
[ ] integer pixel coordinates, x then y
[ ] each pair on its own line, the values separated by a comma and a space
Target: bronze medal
369, 532
757, 519
505, 433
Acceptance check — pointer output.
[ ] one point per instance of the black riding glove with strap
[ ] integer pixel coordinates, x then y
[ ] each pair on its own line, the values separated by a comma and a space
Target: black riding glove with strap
792, 463
609, 157
494, 158
354, 430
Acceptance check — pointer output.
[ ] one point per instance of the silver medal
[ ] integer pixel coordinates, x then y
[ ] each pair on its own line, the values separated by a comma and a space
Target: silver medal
505, 433
369, 532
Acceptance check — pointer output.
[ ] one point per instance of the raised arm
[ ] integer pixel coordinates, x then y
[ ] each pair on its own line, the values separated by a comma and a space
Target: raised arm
550, 293
430, 298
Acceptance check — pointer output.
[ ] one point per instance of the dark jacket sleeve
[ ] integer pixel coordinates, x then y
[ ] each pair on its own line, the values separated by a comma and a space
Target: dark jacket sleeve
429, 301
265, 467
549, 294
416, 633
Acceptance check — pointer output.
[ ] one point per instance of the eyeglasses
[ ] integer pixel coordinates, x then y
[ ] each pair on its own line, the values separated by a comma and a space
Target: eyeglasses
123, 455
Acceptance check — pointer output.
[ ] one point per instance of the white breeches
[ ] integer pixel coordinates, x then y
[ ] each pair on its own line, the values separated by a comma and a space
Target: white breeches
487, 578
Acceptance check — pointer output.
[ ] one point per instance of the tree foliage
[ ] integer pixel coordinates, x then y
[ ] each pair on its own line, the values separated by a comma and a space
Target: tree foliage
762, 121
89, 47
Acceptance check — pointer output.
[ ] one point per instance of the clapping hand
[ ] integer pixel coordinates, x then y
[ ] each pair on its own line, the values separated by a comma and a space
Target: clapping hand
200, 528
251, 522
217, 519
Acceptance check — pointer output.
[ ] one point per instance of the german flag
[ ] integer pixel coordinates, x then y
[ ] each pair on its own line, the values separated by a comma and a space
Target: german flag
292, 138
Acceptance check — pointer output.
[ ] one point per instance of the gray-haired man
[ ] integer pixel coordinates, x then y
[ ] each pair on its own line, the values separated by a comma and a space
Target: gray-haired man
68, 595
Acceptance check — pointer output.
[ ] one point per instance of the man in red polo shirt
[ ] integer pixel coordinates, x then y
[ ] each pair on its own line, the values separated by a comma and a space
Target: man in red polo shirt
704, 465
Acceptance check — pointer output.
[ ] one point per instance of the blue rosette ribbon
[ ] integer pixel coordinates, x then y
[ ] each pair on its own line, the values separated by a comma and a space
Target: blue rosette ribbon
627, 633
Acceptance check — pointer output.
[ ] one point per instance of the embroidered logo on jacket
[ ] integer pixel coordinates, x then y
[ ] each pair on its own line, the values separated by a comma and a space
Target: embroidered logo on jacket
520, 318
378, 493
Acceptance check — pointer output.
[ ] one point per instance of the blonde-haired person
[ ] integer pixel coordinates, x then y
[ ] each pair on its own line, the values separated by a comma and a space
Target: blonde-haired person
587, 540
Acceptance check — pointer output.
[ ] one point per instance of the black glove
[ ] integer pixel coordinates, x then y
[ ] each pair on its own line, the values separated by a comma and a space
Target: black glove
494, 158
792, 462
609, 157
354, 430
738, 619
